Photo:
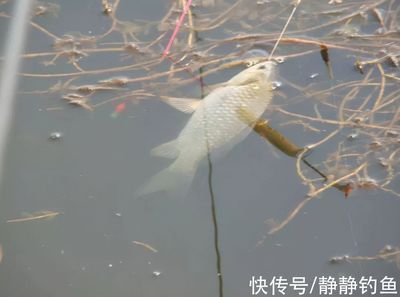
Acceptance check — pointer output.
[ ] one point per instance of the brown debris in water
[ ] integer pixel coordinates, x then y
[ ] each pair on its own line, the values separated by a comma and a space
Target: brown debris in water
211, 42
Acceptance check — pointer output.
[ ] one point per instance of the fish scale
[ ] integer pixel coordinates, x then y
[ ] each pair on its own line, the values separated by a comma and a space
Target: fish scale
223, 120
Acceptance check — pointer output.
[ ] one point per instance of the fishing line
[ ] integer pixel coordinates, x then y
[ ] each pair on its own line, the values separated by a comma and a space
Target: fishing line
353, 237
212, 196
215, 224
284, 28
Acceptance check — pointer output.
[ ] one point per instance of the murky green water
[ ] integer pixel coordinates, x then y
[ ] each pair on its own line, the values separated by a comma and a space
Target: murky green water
90, 175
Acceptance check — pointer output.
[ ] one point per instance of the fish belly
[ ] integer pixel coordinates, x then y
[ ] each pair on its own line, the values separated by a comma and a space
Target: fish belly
217, 123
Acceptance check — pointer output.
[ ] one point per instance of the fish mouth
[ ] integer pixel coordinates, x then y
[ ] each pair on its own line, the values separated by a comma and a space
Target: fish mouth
266, 65
268, 68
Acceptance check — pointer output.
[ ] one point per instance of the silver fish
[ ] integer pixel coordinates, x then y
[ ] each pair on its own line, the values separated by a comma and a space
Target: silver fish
215, 124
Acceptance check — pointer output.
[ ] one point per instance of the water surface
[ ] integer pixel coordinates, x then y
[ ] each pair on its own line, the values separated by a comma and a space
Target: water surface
91, 174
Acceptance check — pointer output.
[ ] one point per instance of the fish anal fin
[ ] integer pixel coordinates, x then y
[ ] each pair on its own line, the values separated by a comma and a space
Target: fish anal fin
182, 104
167, 150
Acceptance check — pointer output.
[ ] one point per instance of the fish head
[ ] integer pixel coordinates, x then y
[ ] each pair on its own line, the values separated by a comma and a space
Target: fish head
263, 72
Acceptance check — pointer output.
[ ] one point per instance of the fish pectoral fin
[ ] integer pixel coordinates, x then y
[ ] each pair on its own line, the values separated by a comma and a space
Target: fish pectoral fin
167, 150
182, 104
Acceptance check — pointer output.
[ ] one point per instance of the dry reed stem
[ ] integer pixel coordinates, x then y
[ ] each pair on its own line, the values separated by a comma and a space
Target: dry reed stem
310, 197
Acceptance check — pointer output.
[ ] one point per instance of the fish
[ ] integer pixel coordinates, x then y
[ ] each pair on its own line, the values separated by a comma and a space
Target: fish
214, 125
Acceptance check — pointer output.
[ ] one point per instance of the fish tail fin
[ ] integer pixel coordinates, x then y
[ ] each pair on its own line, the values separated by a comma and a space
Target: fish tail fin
175, 180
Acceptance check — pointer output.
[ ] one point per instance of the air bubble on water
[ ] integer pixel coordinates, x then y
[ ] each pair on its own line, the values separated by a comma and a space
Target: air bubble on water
55, 136
255, 52
352, 136
279, 60
276, 85
387, 249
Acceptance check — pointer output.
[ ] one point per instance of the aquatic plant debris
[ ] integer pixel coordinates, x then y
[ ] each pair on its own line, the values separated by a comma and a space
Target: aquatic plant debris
355, 34
44, 214
388, 253
145, 245
374, 51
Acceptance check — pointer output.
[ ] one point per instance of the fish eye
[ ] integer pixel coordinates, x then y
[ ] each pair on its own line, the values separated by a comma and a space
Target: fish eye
261, 67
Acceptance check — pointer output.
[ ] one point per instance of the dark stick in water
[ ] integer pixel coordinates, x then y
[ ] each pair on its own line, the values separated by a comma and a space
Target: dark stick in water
262, 128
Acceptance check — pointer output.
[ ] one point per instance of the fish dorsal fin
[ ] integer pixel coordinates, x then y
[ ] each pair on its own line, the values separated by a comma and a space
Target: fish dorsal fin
185, 105
167, 150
